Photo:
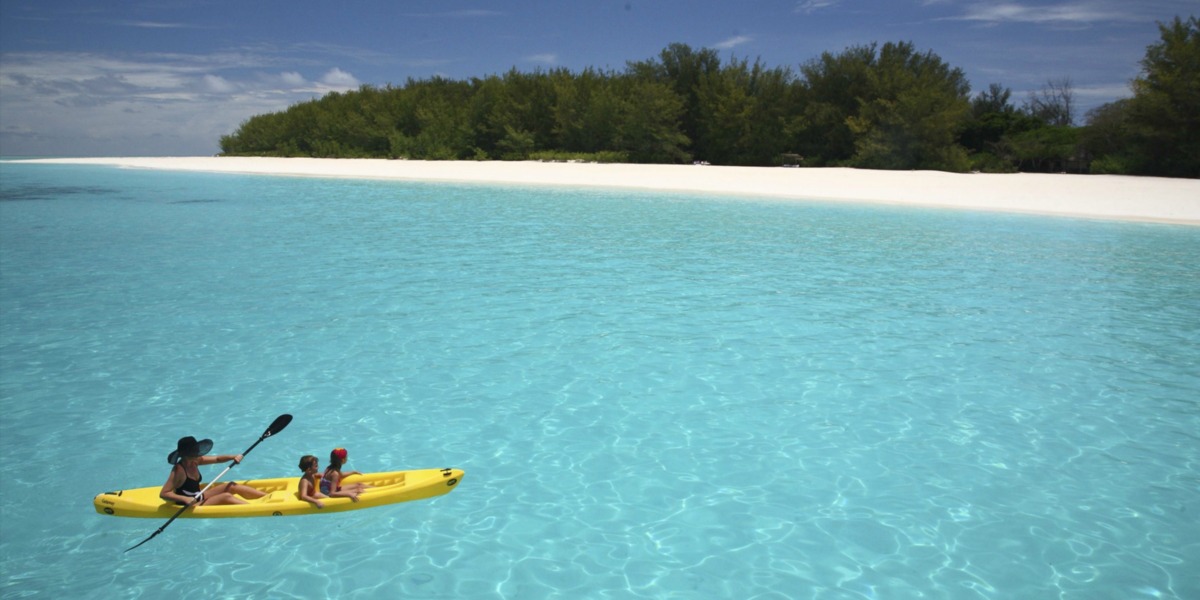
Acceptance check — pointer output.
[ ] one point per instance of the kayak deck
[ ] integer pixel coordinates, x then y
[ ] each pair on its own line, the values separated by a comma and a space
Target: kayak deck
282, 499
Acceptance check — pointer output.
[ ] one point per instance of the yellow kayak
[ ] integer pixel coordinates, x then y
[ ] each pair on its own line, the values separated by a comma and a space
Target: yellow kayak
282, 499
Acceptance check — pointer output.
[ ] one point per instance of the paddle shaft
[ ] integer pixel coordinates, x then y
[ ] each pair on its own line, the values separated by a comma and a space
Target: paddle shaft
222, 474
276, 426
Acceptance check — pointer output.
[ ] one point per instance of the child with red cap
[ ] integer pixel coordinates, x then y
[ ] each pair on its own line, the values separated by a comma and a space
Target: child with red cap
331, 480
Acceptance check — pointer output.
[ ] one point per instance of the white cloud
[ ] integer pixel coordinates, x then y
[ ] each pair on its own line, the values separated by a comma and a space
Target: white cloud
732, 42
339, 79
468, 13
217, 85
547, 58
809, 6
1076, 13
293, 79
457, 14
151, 24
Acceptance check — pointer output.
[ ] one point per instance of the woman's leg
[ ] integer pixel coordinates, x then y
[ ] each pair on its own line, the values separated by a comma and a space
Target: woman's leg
244, 491
219, 498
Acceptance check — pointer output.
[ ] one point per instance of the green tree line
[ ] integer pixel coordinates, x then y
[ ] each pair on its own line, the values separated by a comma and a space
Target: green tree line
884, 106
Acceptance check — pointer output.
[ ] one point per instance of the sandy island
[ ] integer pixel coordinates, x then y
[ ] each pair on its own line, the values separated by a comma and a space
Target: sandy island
1093, 196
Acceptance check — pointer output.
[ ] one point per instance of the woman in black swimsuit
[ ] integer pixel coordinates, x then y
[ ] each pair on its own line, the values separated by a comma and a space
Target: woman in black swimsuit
183, 486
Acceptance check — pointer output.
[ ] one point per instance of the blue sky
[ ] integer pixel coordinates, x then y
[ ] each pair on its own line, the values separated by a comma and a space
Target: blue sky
169, 77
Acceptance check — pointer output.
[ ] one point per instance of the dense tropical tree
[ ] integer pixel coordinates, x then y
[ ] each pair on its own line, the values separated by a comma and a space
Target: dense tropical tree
1157, 131
913, 117
993, 116
747, 114
1165, 109
1049, 148
1107, 137
682, 69
833, 85
648, 115
889, 107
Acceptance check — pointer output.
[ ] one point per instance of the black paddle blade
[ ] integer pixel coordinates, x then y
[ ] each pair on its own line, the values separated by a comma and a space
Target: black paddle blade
160, 529
277, 425
141, 542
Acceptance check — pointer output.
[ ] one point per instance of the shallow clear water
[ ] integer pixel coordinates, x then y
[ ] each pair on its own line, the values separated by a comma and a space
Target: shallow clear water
653, 396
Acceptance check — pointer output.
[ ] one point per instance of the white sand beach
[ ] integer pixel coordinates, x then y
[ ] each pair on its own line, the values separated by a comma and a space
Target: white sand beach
1092, 196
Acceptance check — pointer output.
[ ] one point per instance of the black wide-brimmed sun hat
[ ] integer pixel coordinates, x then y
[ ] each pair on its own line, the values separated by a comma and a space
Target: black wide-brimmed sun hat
188, 446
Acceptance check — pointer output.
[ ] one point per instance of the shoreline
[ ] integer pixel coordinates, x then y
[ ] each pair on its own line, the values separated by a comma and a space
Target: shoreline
1110, 197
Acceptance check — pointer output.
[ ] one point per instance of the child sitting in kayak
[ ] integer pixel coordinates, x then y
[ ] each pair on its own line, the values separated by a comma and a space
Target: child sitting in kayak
331, 481
308, 483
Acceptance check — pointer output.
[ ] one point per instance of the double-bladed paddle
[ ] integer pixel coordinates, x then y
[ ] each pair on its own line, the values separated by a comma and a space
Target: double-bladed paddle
276, 426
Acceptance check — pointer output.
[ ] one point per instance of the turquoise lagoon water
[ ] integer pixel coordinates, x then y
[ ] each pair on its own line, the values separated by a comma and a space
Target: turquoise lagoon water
653, 396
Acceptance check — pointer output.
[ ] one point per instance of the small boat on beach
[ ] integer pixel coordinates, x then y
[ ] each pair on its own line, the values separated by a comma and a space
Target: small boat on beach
282, 499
